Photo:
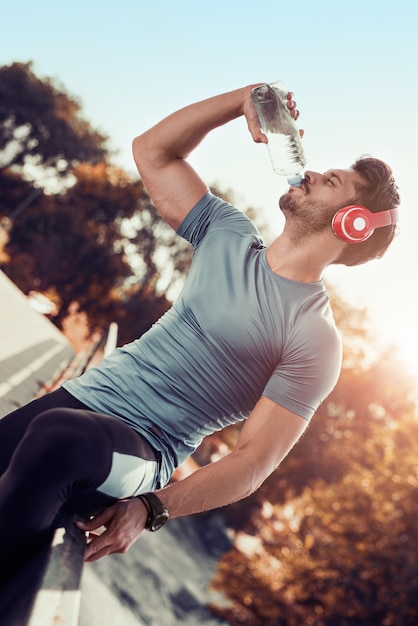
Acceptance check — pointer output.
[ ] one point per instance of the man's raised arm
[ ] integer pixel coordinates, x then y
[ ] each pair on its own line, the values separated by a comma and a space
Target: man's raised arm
160, 153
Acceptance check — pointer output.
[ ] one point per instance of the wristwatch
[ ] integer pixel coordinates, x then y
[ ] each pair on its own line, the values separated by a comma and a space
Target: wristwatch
157, 513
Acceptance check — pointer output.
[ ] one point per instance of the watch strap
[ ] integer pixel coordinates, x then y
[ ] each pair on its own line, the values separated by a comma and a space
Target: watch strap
146, 503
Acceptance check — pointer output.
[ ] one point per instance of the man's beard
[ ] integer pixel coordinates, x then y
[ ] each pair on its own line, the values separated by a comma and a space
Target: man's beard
305, 217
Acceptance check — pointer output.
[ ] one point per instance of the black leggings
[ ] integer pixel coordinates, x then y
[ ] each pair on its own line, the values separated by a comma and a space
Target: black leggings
55, 454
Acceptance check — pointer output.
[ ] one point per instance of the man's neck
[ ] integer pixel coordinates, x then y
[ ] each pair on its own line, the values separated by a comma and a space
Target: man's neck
304, 261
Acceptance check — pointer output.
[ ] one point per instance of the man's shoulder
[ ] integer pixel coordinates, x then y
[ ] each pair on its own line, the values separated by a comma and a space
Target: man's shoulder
314, 319
210, 213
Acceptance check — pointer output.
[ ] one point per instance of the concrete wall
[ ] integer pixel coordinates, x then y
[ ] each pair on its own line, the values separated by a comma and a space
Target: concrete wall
32, 349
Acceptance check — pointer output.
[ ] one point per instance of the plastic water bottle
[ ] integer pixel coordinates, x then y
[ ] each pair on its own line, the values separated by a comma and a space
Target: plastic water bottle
284, 142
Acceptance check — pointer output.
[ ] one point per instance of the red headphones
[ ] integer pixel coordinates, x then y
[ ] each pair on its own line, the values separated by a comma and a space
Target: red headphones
355, 223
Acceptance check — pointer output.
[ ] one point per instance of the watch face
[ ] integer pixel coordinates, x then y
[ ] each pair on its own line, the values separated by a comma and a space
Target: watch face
158, 521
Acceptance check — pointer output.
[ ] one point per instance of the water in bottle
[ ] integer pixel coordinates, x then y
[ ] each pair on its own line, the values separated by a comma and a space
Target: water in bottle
284, 142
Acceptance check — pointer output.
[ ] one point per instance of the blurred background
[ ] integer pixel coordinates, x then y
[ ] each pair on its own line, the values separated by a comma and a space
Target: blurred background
331, 539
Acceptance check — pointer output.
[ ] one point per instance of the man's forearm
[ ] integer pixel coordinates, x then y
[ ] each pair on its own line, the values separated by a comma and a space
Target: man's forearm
213, 486
179, 133
266, 438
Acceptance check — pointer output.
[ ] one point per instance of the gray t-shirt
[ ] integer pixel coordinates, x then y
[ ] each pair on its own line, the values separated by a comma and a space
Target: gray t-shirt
236, 332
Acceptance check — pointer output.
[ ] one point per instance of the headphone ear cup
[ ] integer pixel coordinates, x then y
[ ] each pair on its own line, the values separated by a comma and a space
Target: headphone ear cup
352, 224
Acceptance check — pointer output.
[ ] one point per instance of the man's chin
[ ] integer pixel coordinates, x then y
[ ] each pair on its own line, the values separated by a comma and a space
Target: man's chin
287, 203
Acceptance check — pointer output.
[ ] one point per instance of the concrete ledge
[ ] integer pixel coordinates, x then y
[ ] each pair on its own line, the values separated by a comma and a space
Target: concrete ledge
58, 598
24, 374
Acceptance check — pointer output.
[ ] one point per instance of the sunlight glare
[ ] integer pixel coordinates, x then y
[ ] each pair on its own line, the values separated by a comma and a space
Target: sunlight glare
407, 348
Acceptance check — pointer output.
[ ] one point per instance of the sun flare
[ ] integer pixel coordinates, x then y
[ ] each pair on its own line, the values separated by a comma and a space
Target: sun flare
397, 332
407, 349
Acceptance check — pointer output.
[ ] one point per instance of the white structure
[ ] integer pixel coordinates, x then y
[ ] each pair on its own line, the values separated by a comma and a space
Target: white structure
32, 350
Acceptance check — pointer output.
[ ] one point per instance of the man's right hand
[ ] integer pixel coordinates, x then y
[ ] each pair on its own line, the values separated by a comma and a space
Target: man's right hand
115, 529
253, 121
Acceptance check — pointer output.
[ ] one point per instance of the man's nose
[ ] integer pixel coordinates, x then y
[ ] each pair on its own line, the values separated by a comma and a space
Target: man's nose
312, 177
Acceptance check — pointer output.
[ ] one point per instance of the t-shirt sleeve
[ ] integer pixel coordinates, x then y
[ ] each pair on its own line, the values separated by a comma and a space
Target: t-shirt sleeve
308, 371
213, 212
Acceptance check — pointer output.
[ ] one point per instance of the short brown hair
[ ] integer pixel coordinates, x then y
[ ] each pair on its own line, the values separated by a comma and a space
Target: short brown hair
379, 193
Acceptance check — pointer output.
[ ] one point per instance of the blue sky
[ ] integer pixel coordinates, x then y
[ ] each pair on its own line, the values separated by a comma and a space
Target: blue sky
351, 65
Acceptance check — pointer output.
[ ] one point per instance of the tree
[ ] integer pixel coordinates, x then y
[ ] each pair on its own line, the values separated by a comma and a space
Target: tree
52, 249
96, 239
41, 126
341, 554
102, 244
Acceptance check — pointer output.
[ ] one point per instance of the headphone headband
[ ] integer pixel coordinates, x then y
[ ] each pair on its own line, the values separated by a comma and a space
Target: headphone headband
356, 223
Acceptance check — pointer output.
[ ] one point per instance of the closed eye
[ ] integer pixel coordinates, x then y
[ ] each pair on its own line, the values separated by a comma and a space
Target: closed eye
333, 178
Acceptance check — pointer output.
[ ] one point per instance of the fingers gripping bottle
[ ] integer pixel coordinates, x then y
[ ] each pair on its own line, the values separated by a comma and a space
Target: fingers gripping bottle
284, 142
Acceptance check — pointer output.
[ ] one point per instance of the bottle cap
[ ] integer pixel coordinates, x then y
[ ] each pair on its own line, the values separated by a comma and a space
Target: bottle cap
295, 181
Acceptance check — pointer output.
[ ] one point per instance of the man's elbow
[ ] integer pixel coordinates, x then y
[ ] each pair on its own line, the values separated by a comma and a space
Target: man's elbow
255, 470
147, 155
139, 151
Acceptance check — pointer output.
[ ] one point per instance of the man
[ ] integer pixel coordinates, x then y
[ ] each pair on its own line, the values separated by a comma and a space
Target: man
250, 338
